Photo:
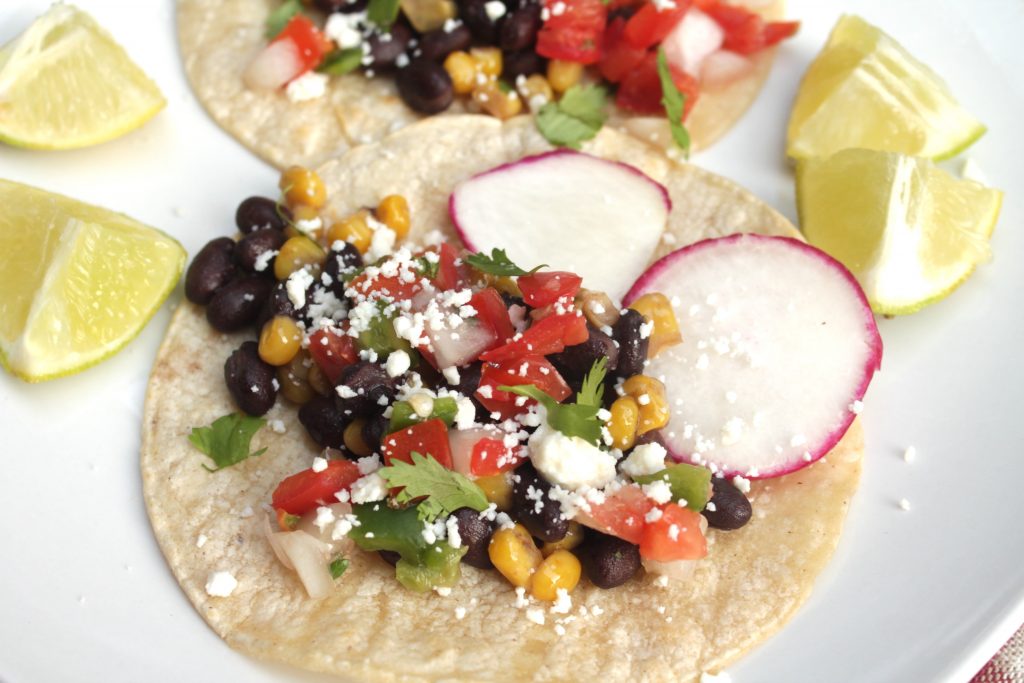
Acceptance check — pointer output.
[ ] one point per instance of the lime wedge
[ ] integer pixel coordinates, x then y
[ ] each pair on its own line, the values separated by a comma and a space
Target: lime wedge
908, 231
865, 90
65, 83
78, 282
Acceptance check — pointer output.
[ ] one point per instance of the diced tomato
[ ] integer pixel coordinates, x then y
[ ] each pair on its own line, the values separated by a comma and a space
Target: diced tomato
543, 289
676, 535
429, 437
308, 489
389, 287
492, 456
450, 275
332, 351
544, 337
619, 57
746, 31
535, 370
575, 33
621, 514
640, 90
649, 26
311, 45
490, 309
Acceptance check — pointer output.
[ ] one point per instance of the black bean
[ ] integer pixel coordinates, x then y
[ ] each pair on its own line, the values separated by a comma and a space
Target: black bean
439, 43
238, 303
374, 430
211, 269
250, 380
343, 6
475, 533
340, 262
425, 86
370, 382
608, 561
575, 362
259, 213
277, 303
389, 556
324, 422
255, 244
732, 509
532, 507
474, 15
653, 436
469, 379
519, 28
511, 301
522, 63
632, 346
386, 47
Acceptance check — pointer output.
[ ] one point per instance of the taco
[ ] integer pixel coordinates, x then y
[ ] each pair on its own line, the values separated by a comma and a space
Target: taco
215, 527
311, 93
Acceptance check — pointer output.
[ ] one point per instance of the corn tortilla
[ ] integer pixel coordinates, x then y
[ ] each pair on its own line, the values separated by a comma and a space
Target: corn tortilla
218, 39
370, 628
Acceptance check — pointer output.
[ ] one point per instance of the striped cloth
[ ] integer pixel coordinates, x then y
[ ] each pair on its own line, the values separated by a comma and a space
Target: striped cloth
1008, 664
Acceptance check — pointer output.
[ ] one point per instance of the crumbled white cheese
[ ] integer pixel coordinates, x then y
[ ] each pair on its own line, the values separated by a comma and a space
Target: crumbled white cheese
246, 512
452, 527
381, 244
277, 426
659, 491
563, 603
324, 517
741, 483
910, 454
369, 464
460, 613
201, 541
264, 259
495, 9
308, 86
221, 584
343, 29
345, 391
646, 458
856, 407
904, 504
646, 329
319, 464
398, 363
296, 286
536, 615
451, 375
570, 462
443, 591
653, 515
369, 489
465, 414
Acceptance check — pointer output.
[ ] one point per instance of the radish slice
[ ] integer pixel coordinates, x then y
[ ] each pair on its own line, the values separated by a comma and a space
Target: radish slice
599, 219
692, 40
779, 347
273, 67
722, 68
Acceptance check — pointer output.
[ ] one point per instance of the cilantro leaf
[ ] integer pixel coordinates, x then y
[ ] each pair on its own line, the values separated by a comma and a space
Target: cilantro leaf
592, 391
446, 491
572, 419
674, 102
338, 566
227, 440
578, 116
339, 62
280, 17
427, 268
498, 263
382, 13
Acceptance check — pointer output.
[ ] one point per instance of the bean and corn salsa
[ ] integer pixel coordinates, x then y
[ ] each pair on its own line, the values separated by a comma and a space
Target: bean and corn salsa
466, 415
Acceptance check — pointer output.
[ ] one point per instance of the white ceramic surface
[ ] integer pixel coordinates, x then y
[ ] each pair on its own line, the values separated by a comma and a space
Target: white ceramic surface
924, 595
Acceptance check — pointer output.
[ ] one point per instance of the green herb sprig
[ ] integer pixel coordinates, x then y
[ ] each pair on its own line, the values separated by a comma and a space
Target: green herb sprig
446, 490
498, 263
576, 117
227, 440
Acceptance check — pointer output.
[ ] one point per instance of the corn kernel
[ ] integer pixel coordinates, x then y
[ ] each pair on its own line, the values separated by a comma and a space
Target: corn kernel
300, 185
559, 571
280, 340
597, 308
497, 489
355, 229
393, 211
296, 253
535, 90
657, 309
293, 378
305, 221
318, 381
504, 284
573, 537
651, 402
514, 554
624, 422
462, 69
488, 60
497, 101
353, 437
562, 75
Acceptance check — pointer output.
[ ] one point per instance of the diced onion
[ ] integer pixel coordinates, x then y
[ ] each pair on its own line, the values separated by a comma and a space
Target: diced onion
462, 442
273, 67
309, 557
462, 345
679, 570
722, 68
692, 40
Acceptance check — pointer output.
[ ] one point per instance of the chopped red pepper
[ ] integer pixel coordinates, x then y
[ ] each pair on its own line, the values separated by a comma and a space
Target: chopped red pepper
746, 31
649, 26
535, 370
490, 309
619, 57
575, 33
492, 456
676, 535
546, 336
429, 437
640, 90
308, 489
332, 351
310, 44
543, 289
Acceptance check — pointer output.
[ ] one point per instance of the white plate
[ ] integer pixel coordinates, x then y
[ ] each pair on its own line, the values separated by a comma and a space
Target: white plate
924, 595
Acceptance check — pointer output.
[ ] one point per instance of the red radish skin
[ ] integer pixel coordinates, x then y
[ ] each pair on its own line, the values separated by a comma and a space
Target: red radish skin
678, 276
566, 192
